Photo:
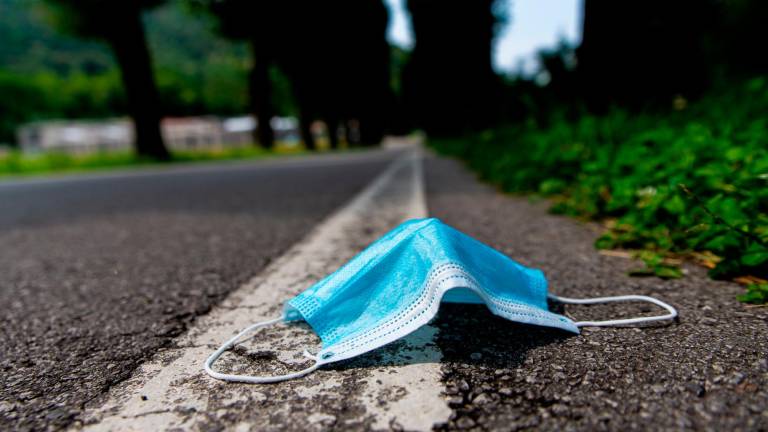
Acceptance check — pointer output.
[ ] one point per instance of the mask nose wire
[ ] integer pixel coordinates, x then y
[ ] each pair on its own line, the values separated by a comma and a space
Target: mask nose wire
249, 378
671, 315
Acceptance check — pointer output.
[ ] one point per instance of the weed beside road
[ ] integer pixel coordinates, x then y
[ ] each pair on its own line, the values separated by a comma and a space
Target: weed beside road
15, 163
692, 182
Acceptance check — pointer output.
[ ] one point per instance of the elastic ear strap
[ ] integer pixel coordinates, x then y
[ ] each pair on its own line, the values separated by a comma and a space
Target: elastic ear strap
671, 315
249, 378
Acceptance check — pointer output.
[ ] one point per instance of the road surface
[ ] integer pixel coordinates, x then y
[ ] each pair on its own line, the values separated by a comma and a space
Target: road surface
113, 285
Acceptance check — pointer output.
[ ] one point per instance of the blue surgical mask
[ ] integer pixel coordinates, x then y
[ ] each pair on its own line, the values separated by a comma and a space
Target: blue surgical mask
397, 284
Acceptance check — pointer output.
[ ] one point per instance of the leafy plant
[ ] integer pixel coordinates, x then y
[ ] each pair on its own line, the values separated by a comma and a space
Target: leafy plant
678, 183
756, 294
657, 265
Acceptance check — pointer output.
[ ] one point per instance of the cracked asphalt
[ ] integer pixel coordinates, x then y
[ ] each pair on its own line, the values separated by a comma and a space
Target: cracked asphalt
99, 273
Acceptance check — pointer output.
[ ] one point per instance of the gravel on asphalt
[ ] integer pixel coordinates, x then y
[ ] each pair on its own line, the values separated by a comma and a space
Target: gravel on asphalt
707, 371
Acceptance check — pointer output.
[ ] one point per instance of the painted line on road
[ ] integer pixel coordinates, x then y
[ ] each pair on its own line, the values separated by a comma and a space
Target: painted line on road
396, 386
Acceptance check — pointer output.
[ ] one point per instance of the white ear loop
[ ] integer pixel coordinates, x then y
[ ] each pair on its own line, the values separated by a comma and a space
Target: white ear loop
272, 379
249, 378
671, 315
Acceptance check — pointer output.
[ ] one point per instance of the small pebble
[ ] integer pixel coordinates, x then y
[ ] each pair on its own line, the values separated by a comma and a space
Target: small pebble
481, 399
696, 389
463, 386
736, 379
465, 423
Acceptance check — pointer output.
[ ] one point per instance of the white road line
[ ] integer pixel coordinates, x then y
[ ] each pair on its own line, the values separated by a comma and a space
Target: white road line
396, 385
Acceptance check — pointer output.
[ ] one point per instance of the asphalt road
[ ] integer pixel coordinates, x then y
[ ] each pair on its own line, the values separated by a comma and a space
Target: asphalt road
100, 271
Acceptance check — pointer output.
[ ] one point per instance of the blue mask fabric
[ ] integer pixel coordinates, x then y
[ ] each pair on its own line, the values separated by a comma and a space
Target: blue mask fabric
397, 284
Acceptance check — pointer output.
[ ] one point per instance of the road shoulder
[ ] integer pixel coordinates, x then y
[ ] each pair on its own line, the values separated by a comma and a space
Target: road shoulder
708, 371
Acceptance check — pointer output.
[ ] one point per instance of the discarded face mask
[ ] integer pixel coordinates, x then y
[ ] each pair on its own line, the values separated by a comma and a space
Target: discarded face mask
396, 285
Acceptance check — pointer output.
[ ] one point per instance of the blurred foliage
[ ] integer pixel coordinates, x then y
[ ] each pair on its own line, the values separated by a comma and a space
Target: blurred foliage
688, 180
121, 26
31, 43
197, 71
46, 94
756, 294
399, 59
15, 163
45, 74
640, 54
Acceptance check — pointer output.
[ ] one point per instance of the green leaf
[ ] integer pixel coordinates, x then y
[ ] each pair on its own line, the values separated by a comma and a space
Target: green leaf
551, 186
756, 294
675, 204
668, 272
755, 255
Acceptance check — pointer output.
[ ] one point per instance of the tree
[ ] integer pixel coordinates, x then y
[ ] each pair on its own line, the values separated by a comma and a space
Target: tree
339, 64
640, 53
737, 38
449, 84
254, 22
119, 23
333, 52
365, 70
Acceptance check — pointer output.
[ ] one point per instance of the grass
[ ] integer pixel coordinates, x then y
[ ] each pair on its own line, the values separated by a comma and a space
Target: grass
691, 183
14, 163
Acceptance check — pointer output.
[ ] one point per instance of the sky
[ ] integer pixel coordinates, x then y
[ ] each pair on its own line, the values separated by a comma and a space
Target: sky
532, 25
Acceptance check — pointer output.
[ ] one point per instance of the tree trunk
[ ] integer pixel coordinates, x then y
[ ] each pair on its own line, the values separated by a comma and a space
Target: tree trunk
130, 47
305, 128
260, 96
332, 124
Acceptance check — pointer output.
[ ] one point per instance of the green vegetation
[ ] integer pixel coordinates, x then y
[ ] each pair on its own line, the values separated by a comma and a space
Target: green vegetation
45, 74
692, 182
756, 294
15, 163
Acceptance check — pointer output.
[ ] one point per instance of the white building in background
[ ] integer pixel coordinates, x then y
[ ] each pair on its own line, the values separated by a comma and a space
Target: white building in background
239, 130
76, 137
193, 133
286, 130
179, 133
